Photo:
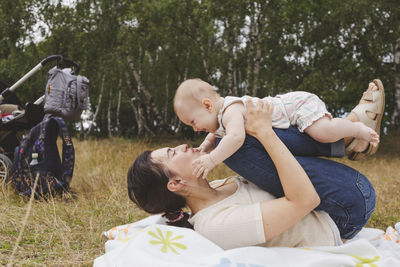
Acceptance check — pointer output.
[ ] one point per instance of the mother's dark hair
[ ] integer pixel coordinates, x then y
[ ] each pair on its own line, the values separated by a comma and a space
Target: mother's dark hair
147, 188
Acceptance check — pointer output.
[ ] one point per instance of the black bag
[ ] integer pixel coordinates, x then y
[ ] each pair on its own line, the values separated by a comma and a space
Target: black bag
54, 175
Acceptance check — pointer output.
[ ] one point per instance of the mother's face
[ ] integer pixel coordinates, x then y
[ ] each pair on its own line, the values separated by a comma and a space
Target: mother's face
178, 160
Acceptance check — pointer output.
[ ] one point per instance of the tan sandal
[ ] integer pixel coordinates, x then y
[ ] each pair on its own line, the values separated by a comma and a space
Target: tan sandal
376, 105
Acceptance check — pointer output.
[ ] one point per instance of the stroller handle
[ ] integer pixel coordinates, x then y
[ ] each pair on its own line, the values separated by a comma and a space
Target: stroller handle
60, 61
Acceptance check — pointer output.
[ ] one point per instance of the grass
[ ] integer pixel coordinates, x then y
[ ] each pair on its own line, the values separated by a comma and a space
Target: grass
68, 231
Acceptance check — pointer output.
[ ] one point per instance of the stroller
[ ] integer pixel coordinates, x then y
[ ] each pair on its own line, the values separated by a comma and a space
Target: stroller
17, 119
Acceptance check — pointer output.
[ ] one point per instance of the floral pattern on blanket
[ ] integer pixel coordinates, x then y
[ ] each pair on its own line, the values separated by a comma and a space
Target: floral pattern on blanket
166, 241
366, 261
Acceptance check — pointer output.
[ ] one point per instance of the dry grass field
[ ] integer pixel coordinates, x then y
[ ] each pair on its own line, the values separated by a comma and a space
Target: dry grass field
68, 231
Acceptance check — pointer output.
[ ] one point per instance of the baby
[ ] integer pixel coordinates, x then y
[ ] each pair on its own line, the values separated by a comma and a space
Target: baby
197, 104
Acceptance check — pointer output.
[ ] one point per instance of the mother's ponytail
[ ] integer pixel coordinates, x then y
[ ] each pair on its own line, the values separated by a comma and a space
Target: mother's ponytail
178, 218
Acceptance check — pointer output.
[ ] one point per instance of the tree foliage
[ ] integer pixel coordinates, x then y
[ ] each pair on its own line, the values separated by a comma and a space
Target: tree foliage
139, 51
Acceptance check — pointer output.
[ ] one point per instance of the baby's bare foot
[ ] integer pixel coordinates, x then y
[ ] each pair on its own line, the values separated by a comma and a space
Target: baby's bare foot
367, 134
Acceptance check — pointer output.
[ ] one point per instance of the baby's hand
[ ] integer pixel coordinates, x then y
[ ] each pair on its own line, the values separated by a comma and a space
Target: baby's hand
202, 166
206, 146
199, 149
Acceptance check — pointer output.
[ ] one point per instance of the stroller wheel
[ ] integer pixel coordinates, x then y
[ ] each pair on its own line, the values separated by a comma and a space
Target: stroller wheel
5, 167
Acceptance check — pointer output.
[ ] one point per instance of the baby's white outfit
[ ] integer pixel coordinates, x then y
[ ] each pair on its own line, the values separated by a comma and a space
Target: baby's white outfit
295, 108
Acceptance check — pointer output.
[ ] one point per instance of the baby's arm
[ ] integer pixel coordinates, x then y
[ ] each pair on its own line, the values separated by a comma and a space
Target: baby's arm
235, 134
208, 143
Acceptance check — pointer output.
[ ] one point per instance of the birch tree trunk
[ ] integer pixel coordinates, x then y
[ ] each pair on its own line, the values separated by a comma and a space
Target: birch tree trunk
176, 123
109, 127
150, 103
141, 123
135, 112
118, 112
231, 42
97, 108
395, 120
166, 100
260, 27
239, 81
235, 87
250, 56
185, 73
203, 57
139, 118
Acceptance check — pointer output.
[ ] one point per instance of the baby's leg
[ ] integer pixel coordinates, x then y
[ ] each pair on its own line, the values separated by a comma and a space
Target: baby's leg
326, 130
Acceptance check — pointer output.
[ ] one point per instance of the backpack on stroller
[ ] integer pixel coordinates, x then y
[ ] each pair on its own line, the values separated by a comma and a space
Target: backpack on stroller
21, 159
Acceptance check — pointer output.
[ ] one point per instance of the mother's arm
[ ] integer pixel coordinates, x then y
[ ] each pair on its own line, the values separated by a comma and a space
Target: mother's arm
300, 196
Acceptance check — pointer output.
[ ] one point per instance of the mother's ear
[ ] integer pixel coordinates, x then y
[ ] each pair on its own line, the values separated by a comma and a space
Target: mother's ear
175, 184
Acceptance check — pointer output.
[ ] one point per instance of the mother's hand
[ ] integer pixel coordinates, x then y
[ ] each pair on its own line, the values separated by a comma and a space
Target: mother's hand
259, 117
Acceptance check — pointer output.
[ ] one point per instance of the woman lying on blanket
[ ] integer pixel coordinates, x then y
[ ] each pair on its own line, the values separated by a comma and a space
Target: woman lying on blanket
234, 212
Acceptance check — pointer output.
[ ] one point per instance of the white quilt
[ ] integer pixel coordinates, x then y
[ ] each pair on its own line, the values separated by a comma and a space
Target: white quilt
149, 242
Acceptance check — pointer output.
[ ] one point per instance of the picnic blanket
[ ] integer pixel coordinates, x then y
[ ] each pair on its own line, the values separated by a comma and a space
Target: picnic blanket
150, 242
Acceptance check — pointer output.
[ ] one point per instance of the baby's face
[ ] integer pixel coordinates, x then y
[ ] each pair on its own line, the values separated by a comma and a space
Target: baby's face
198, 117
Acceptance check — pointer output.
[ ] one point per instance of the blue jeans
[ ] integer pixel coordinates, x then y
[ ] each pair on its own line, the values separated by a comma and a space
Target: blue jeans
345, 194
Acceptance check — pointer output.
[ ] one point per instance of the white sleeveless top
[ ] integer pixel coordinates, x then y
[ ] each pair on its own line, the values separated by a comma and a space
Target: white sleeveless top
280, 118
295, 108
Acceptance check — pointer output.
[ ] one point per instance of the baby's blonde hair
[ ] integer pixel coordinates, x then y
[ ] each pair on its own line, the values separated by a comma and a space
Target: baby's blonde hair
194, 89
